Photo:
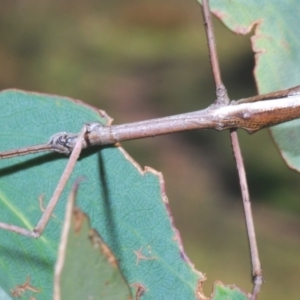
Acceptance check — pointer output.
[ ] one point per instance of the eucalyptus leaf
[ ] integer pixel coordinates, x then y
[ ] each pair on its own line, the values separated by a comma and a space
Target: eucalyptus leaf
276, 42
85, 268
126, 205
231, 292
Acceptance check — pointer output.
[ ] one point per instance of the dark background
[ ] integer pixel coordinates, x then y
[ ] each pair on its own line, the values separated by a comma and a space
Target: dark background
139, 59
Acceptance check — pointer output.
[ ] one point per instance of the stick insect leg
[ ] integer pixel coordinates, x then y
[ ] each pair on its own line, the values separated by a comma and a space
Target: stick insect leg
42, 223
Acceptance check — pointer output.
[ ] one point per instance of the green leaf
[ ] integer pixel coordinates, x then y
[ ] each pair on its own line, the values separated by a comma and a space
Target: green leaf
276, 42
228, 292
85, 268
125, 204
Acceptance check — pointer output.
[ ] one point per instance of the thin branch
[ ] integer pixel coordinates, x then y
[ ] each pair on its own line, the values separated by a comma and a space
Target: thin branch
256, 267
249, 116
293, 91
222, 98
38, 230
25, 151
61, 184
221, 93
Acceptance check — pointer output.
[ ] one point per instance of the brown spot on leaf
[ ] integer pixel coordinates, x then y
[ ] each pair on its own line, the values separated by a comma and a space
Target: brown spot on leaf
140, 290
140, 256
98, 243
19, 290
78, 217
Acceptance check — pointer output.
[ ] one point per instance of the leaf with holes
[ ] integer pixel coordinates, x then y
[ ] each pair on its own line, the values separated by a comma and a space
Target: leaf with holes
275, 42
126, 205
85, 267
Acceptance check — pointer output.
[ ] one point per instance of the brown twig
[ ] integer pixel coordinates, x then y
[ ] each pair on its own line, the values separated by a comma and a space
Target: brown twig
222, 98
221, 93
42, 223
25, 151
255, 262
249, 116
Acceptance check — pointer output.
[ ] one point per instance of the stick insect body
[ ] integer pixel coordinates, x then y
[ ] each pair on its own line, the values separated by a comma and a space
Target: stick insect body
251, 116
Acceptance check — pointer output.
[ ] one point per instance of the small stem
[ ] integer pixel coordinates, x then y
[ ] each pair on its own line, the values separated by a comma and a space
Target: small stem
293, 91
256, 267
61, 184
42, 223
249, 116
25, 151
221, 93
223, 99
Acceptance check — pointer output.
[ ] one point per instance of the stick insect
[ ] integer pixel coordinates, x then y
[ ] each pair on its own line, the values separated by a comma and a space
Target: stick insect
251, 114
